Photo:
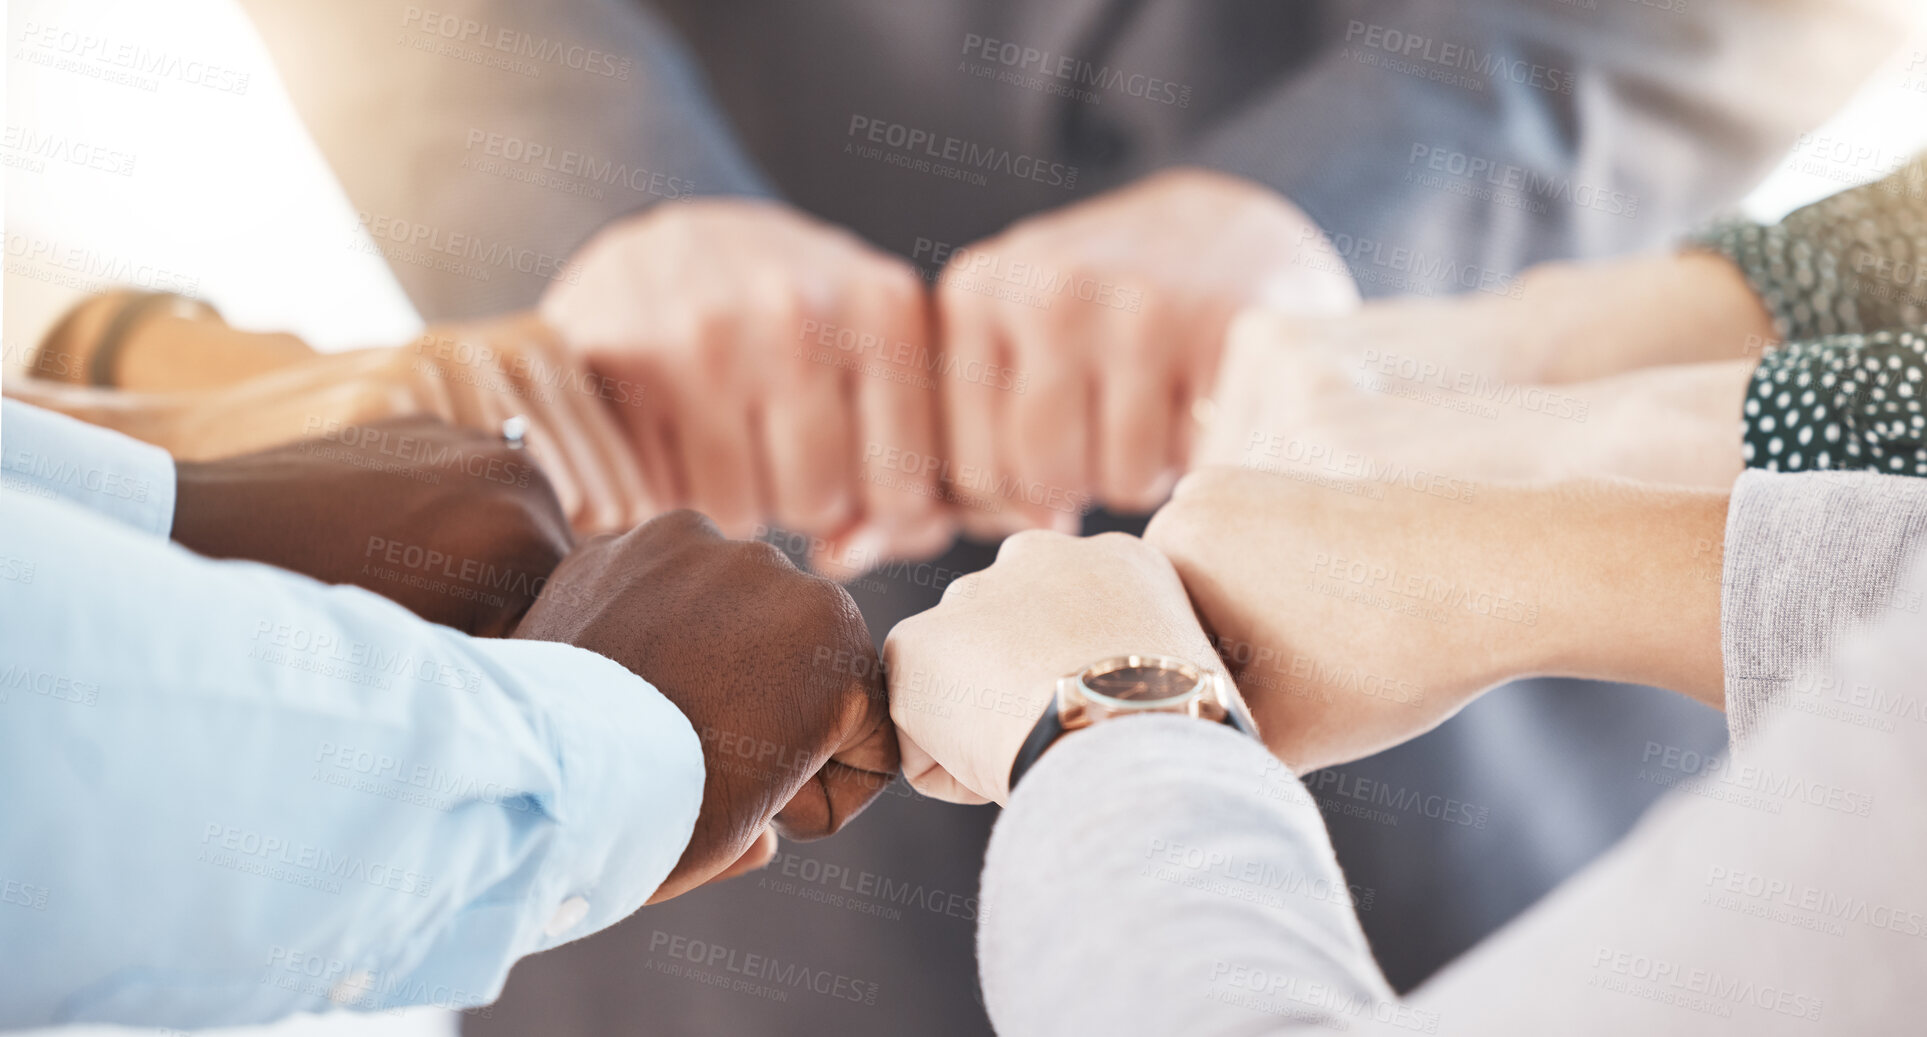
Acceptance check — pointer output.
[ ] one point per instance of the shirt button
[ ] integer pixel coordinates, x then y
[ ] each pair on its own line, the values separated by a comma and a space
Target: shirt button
569, 915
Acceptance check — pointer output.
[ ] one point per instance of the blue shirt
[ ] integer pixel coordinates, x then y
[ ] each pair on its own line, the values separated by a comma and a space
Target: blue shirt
229, 792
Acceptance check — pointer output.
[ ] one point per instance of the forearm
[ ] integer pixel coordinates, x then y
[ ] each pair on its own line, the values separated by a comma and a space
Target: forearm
1578, 322
1674, 425
1634, 573
148, 417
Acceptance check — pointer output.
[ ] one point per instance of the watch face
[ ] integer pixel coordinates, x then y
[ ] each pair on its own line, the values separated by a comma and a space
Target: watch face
1142, 683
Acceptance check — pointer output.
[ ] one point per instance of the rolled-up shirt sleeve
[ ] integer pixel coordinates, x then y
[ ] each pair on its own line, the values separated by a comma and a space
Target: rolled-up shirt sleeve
55, 457
235, 793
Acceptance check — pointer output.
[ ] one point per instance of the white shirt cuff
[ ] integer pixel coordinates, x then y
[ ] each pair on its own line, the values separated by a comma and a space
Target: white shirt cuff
55, 457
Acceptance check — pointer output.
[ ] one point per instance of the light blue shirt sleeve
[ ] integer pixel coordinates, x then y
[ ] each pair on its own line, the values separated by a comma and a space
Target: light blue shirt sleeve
55, 457
229, 793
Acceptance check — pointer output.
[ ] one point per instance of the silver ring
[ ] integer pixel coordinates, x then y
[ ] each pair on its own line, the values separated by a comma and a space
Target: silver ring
514, 429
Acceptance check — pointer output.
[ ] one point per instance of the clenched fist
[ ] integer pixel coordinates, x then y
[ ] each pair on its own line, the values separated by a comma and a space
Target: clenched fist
1134, 290
772, 666
781, 358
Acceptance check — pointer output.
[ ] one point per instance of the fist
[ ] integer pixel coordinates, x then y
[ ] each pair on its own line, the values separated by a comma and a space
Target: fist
1134, 291
772, 666
969, 678
454, 524
782, 358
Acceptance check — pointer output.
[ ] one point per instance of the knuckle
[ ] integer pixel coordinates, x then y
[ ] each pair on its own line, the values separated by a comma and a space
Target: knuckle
963, 587
1031, 541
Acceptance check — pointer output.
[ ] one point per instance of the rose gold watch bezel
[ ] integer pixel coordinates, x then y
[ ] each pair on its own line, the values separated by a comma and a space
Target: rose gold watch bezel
1211, 696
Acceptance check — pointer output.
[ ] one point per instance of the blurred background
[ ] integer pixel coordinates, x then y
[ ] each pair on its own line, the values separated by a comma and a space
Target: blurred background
210, 185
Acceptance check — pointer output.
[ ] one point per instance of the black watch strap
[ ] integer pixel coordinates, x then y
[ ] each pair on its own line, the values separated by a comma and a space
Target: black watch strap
1050, 727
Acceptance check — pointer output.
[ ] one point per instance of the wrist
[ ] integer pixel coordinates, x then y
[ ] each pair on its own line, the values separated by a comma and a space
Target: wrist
1636, 577
1589, 320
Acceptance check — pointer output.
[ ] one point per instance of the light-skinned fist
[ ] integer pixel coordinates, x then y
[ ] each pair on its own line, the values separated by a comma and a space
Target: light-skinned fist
969, 678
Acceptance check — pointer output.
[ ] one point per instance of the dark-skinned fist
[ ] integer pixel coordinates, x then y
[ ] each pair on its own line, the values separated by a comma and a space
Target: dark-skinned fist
773, 667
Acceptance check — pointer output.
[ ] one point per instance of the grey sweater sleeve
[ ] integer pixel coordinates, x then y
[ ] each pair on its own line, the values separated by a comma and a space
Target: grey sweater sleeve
1808, 556
1120, 907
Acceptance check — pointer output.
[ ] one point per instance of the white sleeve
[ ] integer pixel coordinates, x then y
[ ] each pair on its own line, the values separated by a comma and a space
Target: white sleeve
232, 793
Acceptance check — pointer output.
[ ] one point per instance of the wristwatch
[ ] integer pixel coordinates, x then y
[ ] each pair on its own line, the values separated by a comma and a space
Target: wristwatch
1132, 685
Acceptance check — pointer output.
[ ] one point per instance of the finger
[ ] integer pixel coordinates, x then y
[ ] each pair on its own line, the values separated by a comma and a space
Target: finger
928, 777
807, 440
639, 399
557, 392
604, 473
1046, 442
972, 409
712, 439
757, 857
898, 411
1134, 447
629, 490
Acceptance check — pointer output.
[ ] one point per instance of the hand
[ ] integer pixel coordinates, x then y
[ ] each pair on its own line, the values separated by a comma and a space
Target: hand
772, 666
455, 525
1137, 289
969, 678
474, 375
1381, 394
1356, 615
788, 367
